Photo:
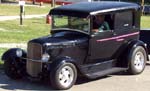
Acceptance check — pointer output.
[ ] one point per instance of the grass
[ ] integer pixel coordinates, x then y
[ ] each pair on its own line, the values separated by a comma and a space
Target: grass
11, 9
1, 64
145, 22
12, 32
2, 50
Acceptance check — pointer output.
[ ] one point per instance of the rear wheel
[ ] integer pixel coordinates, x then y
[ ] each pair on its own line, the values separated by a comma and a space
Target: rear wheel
137, 60
64, 76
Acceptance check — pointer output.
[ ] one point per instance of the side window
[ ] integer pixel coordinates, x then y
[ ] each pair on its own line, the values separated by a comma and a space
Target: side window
124, 21
103, 23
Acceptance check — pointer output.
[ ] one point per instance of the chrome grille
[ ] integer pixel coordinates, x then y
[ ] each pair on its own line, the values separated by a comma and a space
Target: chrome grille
34, 53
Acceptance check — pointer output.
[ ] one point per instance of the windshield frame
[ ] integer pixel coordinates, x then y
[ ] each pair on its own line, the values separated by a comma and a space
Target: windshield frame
78, 30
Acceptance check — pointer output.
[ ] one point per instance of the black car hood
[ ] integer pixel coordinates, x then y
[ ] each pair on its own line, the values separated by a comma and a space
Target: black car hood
61, 39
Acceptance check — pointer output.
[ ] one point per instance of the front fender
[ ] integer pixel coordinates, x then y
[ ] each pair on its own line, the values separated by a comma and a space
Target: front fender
59, 61
11, 53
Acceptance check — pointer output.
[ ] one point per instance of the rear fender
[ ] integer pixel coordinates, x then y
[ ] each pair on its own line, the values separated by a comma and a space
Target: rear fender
123, 59
134, 44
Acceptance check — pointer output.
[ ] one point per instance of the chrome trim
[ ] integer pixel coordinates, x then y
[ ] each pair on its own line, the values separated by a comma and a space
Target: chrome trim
145, 44
37, 60
62, 43
35, 44
105, 62
34, 51
109, 10
89, 24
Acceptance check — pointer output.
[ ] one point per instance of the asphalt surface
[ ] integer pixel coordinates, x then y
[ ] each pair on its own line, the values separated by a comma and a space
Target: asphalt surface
115, 82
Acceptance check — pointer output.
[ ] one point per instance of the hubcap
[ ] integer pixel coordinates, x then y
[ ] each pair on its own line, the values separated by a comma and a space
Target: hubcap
139, 61
66, 76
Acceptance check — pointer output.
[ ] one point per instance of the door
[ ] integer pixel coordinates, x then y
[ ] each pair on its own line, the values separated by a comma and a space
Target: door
106, 45
102, 46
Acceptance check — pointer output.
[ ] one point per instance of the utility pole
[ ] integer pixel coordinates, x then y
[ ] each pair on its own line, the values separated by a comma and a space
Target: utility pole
21, 3
53, 3
142, 4
33, 2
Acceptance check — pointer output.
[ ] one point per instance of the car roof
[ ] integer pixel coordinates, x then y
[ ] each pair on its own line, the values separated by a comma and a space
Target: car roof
83, 9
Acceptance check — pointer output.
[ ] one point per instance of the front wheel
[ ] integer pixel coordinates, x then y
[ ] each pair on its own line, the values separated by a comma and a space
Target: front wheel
13, 69
64, 76
137, 60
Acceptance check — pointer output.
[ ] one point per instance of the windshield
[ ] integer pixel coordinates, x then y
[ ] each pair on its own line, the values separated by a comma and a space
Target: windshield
68, 22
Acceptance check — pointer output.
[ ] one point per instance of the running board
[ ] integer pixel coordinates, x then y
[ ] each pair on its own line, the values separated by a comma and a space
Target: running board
105, 72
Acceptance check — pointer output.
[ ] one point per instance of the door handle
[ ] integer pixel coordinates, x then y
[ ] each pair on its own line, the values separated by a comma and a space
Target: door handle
126, 25
121, 39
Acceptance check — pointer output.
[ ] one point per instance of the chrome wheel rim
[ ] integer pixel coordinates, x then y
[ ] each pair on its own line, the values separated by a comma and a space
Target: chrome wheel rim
66, 76
139, 61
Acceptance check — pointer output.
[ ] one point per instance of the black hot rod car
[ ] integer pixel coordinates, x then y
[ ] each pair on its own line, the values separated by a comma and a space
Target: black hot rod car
73, 48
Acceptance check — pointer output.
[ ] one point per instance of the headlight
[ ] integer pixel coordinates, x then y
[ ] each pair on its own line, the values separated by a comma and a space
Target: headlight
45, 57
19, 53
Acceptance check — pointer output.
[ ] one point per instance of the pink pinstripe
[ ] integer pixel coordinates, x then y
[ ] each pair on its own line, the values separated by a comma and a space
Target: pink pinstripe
117, 37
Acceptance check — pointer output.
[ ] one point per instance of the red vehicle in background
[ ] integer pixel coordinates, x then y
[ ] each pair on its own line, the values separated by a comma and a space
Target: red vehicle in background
62, 2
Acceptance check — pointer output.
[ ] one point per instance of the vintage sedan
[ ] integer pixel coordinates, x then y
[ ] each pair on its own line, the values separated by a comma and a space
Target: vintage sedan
73, 48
